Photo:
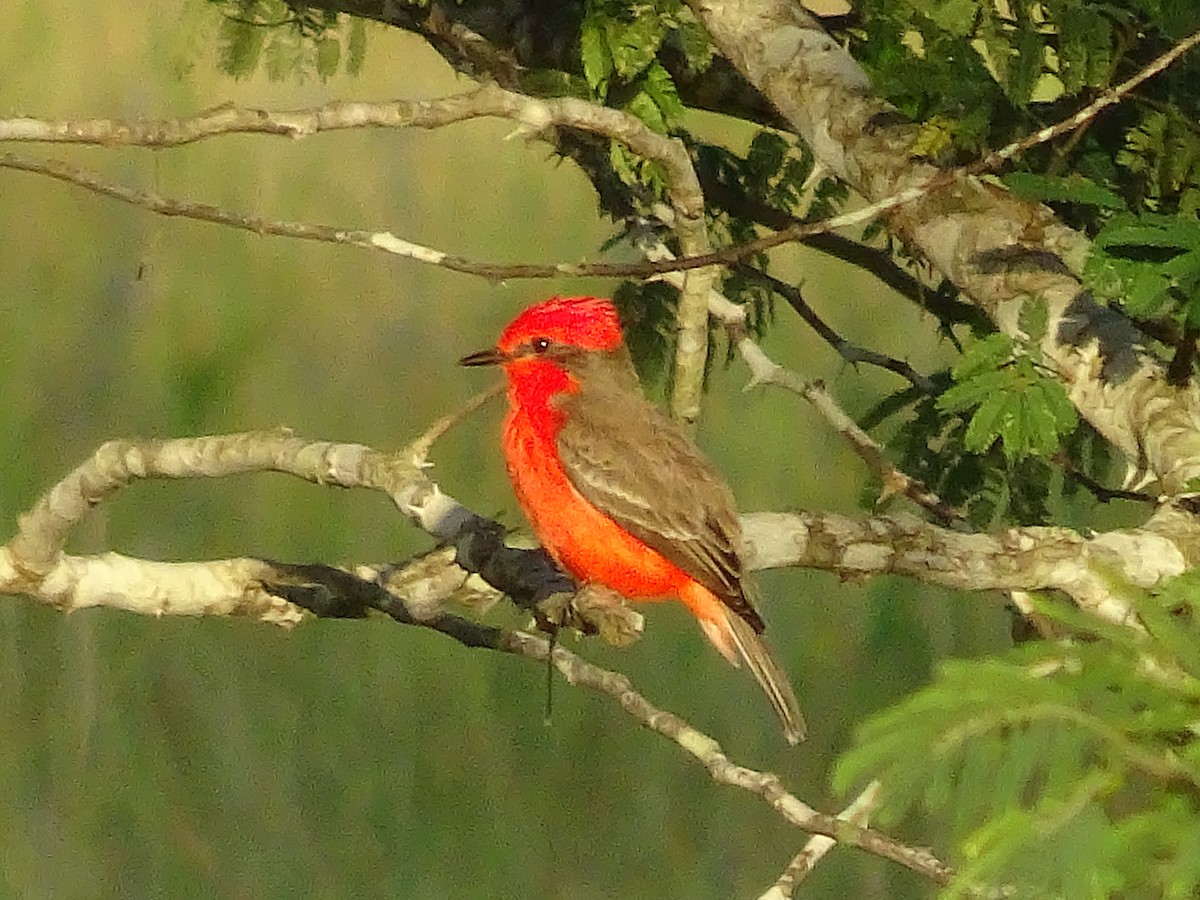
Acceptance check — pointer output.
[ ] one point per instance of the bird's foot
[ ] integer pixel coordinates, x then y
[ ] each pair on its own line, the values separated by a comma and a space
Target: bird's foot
592, 610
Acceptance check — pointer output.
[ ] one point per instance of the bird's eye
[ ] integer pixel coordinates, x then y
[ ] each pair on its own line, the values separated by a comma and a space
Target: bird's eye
540, 344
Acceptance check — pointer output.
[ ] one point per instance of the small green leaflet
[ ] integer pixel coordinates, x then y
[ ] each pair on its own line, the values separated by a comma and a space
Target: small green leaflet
1148, 262
1071, 189
611, 44
593, 50
1013, 401
955, 16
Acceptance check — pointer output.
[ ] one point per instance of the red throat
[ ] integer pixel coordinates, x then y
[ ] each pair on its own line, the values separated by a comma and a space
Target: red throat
532, 383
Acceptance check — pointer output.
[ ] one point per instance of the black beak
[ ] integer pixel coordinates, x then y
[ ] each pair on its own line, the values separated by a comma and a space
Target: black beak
488, 357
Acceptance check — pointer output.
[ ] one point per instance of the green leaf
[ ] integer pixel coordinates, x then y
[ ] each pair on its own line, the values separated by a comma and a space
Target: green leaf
1013, 426
988, 353
1032, 320
329, 54
953, 16
1069, 189
1049, 416
693, 39
976, 389
986, 423
934, 137
1066, 416
658, 85
594, 54
1150, 230
239, 46
356, 46
643, 106
282, 55
1085, 53
1029, 413
1145, 291
1026, 66
1168, 615
634, 44
633, 170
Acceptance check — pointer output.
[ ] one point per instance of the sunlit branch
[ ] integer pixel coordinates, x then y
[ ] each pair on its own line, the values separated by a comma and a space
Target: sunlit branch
709, 754
33, 563
857, 813
490, 100
385, 241
486, 101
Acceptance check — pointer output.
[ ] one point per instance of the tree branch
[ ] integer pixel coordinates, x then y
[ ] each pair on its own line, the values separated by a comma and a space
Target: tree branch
683, 186
709, 754
389, 243
33, 563
857, 813
850, 352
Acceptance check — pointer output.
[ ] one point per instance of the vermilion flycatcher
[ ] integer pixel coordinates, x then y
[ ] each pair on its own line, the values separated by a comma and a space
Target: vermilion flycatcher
616, 492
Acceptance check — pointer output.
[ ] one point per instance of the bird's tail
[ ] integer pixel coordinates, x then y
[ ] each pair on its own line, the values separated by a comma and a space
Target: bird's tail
735, 633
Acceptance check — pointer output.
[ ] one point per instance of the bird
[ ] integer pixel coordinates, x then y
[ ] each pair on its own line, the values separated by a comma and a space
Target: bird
616, 492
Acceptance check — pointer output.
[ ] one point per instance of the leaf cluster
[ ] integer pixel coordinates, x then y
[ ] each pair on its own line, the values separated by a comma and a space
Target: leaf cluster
1067, 769
992, 438
288, 41
1010, 399
985, 69
1150, 265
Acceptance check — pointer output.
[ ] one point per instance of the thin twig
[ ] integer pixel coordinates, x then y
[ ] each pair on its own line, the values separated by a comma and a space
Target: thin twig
1109, 98
418, 450
709, 753
489, 100
764, 370
849, 351
857, 813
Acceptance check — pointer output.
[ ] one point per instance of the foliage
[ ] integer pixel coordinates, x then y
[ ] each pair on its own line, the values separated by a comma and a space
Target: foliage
286, 41
1150, 264
1013, 402
1064, 769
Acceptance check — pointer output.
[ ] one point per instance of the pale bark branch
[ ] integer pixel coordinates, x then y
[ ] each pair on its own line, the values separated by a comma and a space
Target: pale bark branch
818, 846
534, 115
1090, 570
706, 751
387, 242
1093, 571
33, 564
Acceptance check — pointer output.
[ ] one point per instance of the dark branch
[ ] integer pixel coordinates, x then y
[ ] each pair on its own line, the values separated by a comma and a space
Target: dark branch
849, 351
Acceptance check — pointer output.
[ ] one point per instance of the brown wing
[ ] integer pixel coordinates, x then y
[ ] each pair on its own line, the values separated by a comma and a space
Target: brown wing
629, 460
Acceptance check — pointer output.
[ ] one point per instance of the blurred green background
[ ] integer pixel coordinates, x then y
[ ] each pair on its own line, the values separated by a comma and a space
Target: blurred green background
167, 757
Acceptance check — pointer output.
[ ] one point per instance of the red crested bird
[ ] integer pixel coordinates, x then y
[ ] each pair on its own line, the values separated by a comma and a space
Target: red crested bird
615, 491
